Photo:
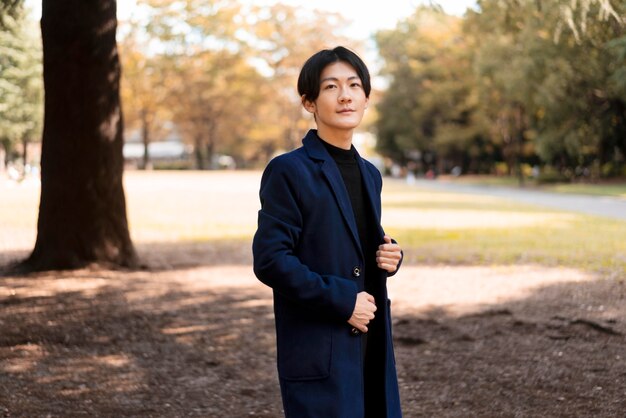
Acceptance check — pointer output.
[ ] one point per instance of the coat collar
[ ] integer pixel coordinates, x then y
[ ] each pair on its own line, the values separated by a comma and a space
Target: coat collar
316, 150
314, 147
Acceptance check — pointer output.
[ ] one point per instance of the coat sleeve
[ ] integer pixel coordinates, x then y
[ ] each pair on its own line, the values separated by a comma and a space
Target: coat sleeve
379, 185
276, 263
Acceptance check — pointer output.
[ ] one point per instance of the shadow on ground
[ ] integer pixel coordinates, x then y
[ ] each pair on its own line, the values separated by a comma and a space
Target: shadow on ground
163, 344
81, 353
529, 357
160, 256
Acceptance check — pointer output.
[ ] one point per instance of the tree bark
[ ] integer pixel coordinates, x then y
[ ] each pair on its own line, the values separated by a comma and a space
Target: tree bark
145, 137
519, 149
210, 155
198, 152
82, 211
24, 156
210, 147
4, 160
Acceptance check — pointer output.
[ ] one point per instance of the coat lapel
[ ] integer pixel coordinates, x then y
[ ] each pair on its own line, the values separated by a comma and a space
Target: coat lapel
370, 190
316, 150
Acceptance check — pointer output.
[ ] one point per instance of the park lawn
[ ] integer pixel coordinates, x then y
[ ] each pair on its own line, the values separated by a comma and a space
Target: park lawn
597, 189
484, 180
433, 227
448, 228
191, 206
616, 190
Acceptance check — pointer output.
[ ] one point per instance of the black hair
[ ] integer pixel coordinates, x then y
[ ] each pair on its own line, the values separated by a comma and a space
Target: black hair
309, 79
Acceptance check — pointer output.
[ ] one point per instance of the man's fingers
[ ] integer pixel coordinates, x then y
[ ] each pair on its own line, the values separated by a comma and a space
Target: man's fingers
390, 268
387, 260
364, 311
361, 321
389, 248
387, 263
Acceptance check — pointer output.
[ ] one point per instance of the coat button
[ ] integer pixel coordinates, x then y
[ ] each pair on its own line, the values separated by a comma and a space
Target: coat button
356, 271
355, 331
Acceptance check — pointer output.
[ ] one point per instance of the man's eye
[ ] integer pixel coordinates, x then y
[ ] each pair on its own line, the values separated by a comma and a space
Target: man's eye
330, 86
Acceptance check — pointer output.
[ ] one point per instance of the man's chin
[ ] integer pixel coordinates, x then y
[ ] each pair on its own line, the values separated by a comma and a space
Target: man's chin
349, 124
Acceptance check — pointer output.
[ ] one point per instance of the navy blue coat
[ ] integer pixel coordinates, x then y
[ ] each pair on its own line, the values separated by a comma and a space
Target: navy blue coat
308, 251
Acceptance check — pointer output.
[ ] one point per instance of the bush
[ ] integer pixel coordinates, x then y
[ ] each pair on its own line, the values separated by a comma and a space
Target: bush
173, 165
550, 176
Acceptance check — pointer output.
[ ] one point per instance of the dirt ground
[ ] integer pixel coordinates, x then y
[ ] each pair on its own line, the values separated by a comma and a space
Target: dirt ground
191, 335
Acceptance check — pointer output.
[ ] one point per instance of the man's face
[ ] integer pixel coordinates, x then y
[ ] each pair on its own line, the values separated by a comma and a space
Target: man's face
341, 102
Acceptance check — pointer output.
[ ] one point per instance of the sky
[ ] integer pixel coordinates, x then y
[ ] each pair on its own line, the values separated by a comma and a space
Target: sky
370, 16
367, 17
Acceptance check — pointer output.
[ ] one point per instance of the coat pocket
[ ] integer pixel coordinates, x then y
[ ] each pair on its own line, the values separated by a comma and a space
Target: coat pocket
304, 350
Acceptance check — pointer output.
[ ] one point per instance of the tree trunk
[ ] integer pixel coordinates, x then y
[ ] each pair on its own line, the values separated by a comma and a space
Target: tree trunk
210, 155
24, 156
145, 137
519, 149
6, 145
3, 157
82, 211
210, 147
198, 152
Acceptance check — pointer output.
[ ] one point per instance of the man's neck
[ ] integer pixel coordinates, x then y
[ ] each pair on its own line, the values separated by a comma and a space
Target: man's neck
339, 139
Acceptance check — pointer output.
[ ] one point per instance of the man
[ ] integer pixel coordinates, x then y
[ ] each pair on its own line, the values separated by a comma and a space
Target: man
320, 247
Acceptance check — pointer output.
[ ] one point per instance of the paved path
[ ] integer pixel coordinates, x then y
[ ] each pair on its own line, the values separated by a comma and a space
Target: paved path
609, 207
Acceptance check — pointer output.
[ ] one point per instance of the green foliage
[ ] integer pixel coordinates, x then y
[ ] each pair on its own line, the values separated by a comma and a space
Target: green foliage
514, 81
9, 9
430, 106
21, 83
550, 176
617, 49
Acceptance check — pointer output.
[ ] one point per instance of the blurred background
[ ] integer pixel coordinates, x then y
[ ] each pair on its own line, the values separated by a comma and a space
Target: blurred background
510, 301
525, 90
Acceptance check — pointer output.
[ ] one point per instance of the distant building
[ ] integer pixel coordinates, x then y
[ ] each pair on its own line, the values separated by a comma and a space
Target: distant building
170, 152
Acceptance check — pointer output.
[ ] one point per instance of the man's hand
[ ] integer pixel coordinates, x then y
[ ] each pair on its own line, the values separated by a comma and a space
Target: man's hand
363, 311
388, 255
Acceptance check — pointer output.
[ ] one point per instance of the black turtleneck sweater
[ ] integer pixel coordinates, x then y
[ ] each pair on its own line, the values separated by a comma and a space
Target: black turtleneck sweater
365, 221
351, 174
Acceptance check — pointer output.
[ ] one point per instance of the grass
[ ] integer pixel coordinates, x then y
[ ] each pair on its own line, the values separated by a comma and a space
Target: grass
448, 228
485, 180
192, 206
433, 227
617, 189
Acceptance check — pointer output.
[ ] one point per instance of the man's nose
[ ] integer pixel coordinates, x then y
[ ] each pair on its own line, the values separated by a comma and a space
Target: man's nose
345, 97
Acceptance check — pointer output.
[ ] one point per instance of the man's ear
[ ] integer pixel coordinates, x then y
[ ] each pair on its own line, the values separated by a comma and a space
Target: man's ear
307, 104
367, 102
